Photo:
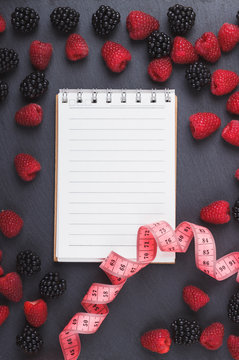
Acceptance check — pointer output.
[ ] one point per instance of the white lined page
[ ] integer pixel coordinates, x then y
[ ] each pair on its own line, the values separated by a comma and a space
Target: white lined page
116, 172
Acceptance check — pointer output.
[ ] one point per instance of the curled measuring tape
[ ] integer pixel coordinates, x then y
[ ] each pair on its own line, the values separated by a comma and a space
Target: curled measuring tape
119, 269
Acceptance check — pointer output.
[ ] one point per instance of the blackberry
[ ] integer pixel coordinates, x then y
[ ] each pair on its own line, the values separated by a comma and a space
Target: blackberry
185, 332
181, 19
235, 210
8, 59
198, 75
237, 16
104, 20
159, 44
28, 263
30, 340
25, 19
233, 308
34, 85
64, 19
3, 90
51, 286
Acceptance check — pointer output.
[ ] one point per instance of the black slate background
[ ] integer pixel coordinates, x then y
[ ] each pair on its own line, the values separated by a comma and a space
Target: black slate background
205, 173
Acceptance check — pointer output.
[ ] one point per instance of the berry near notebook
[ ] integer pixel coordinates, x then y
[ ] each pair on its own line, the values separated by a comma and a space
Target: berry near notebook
29, 115
2, 24
35, 312
160, 70
24, 19
10, 223
157, 340
76, 47
29, 340
105, 20
183, 51
115, 56
212, 337
194, 297
8, 60
64, 19
140, 25
4, 313
207, 46
11, 286
26, 166
233, 103
40, 54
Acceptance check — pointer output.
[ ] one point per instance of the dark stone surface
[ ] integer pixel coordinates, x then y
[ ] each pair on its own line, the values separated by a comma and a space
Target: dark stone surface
205, 173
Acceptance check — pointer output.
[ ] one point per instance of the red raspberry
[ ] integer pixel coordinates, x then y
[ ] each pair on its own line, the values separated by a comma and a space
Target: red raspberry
11, 287
233, 103
218, 212
10, 223
183, 51
1, 270
29, 115
228, 36
115, 56
26, 166
208, 47
40, 54
212, 337
140, 25
195, 297
158, 341
76, 47
35, 312
160, 69
4, 312
230, 133
2, 24
223, 82
233, 346
203, 124
237, 174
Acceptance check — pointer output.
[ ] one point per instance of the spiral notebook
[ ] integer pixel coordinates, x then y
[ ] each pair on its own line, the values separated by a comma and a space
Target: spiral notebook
115, 170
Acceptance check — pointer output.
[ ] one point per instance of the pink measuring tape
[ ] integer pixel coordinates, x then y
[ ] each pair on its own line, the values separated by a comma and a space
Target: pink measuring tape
119, 269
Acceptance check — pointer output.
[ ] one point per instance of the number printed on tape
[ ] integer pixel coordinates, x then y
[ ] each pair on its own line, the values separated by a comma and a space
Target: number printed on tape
118, 269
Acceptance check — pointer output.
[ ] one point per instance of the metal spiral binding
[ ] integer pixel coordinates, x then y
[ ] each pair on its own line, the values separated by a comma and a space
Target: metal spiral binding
138, 96
79, 96
64, 96
123, 96
167, 95
153, 96
108, 96
94, 97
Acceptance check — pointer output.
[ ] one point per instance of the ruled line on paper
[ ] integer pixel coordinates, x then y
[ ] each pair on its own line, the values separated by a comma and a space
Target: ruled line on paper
137, 140
117, 150
133, 246
115, 171
103, 224
126, 105
115, 213
101, 234
117, 118
114, 202
115, 129
116, 192
117, 182
136, 161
